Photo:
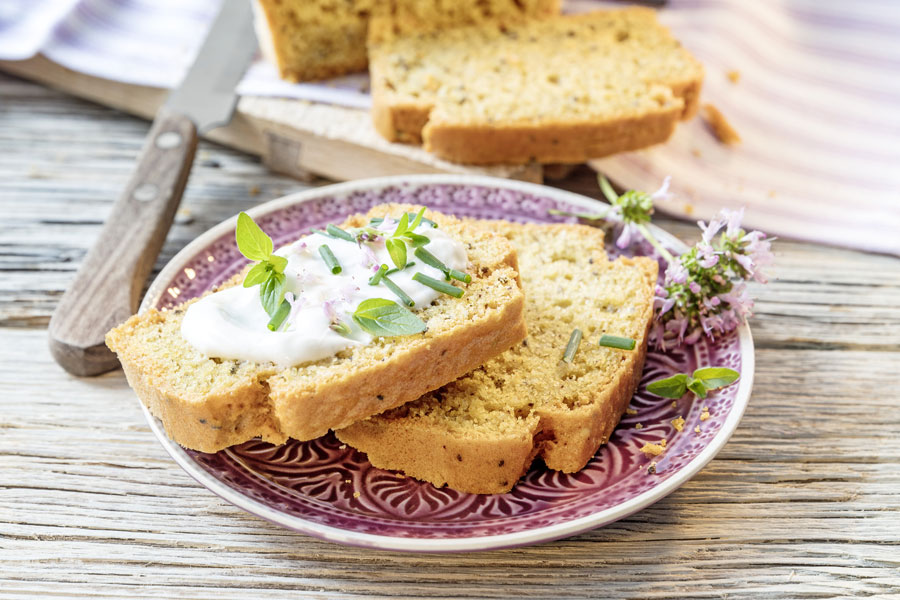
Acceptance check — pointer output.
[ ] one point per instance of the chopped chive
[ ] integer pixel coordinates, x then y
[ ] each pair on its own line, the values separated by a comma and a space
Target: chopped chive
336, 232
432, 261
572, 346
280, 315
436, 284
397, 291
329, 258
381, 272
460, 276
397, 269
614, 341
380, 220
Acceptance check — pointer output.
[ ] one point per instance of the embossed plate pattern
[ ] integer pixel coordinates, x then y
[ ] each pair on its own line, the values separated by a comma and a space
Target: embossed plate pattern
330, 491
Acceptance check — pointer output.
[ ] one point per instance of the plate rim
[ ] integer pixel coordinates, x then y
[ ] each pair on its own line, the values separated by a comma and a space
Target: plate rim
438, 545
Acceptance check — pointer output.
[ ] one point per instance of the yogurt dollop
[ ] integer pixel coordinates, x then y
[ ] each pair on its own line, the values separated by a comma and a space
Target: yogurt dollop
232, 324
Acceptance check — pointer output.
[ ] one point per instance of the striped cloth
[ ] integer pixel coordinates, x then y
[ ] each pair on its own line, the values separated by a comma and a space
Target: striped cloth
815, 104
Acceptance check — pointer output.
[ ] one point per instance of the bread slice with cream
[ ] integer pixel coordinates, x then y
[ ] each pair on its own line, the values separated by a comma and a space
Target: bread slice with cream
316, 39
207, 403
480, 433
561, 89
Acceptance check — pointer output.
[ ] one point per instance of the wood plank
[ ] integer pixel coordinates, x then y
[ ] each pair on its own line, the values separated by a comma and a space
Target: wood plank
803, 502
328, 131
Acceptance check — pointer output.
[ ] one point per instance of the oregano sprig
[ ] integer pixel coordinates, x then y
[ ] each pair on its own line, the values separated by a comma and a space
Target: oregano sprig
268, 272
405, 233
700, 382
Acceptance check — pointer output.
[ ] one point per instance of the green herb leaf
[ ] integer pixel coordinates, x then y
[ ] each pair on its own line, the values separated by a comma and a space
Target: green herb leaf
397, 250
251, 240
418, 220
714, 378
402, 226
416, 239
271, 293
381, 317
696, 386
671, 387
257, 274
278, 263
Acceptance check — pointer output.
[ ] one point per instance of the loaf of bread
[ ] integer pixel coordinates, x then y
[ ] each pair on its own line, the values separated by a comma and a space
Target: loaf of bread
316, 39
562, 89
480, 433
208, 404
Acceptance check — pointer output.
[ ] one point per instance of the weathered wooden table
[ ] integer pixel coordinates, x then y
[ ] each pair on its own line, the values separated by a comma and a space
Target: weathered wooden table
804, 502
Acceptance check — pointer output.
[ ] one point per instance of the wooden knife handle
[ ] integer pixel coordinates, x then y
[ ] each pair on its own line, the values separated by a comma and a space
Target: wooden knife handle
107, 287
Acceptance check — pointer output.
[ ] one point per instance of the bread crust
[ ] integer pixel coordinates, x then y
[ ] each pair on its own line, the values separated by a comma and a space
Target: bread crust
423, 114
557, 142
244, 400
564, 437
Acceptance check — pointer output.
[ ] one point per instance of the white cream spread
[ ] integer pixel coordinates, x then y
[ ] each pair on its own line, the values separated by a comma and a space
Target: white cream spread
232, 324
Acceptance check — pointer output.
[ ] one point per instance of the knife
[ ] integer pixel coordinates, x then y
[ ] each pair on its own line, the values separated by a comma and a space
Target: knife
108, 286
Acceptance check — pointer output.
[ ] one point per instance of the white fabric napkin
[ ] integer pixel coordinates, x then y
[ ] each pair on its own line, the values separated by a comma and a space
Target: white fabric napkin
815, 101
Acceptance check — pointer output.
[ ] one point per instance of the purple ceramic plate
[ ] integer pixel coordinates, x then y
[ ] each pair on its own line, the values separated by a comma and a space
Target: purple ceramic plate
325, 489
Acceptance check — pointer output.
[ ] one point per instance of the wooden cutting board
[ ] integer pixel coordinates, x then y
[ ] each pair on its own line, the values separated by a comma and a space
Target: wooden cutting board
293, 137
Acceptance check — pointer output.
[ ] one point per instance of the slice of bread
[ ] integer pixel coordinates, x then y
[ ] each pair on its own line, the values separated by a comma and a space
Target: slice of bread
563, 89
208, 404
480, 433
317, 39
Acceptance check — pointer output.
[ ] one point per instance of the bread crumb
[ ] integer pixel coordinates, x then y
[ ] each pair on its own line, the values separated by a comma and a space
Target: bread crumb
254, 190
734, 76
697, 429
356, 494
639, 426
688, 209
696, 152
771, 193
342, 447
704, 416
721, 128
347, 481
674, 403
630, 411
678, 423
654, 449
651, 469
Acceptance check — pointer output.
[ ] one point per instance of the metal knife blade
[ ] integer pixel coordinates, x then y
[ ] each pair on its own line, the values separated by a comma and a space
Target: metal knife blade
106, 292
207, 93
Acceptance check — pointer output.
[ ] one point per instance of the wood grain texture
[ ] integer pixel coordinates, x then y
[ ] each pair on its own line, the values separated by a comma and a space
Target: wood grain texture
338, 142
803, 502
107, 287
